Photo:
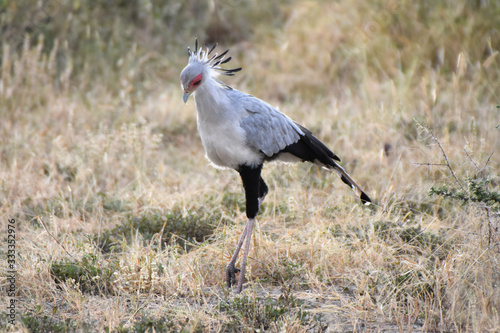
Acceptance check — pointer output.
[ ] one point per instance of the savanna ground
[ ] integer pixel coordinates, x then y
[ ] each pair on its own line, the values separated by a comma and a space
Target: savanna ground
122, 226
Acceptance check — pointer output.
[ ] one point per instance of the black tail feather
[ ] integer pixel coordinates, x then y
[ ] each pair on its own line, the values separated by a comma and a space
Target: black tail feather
365, 199
310, 149
346, 181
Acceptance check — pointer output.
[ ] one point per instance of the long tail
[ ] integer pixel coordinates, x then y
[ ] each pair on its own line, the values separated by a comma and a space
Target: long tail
365, 199
309, 148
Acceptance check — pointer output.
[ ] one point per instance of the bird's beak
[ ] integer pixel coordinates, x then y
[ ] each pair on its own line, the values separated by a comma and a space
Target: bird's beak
186, 96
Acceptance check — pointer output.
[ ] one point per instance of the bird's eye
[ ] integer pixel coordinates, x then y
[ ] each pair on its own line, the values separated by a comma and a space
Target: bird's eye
195, 82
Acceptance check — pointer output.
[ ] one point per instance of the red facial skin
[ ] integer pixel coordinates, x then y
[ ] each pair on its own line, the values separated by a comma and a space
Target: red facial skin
195, 83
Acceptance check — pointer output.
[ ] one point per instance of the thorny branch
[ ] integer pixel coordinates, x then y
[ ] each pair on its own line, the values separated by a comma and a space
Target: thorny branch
488, 161
447, 163
473, 162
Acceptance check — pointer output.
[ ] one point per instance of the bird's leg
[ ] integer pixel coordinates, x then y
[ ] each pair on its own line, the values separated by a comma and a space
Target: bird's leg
249, 229
231, 269
253, 192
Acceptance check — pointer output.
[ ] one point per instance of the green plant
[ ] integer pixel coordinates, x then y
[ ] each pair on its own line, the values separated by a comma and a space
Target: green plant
89, 274
168, 323
478, 190
34, 320
183, 229
258, 313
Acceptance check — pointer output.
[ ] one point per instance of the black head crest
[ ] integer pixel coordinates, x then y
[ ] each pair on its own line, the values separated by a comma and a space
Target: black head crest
199, 55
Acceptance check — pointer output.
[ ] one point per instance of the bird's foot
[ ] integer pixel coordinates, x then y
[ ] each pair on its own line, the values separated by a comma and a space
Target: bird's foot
231, 275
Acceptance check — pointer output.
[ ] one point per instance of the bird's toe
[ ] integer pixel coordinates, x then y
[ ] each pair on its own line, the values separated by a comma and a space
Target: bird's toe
231, 275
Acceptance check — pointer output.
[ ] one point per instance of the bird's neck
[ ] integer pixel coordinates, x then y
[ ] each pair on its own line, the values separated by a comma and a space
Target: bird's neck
211, 99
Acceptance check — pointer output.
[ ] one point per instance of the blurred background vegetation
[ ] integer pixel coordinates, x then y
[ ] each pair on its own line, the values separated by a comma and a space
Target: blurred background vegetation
106, 39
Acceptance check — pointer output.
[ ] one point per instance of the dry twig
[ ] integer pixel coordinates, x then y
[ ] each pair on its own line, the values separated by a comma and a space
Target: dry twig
426, 128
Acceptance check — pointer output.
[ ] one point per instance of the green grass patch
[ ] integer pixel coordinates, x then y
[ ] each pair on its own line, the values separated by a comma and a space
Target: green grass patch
35, 321
89, 275
168, 323
250, 314
183, 229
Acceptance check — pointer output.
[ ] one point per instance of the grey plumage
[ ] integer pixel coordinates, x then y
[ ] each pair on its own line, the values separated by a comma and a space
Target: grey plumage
267, 130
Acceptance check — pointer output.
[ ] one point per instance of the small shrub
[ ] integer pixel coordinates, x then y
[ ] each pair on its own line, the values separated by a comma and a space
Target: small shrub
164, 324
183, 229
34, 321
254, 314
89, 275
477, 191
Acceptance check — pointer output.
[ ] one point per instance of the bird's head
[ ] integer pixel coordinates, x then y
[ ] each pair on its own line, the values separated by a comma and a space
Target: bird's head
192, 76
200, 68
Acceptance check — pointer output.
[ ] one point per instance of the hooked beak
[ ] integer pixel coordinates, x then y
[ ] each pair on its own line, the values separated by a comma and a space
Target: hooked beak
186, 96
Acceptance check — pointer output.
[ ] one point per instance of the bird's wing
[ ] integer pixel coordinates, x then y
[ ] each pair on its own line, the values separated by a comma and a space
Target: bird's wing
267, 129
273, 133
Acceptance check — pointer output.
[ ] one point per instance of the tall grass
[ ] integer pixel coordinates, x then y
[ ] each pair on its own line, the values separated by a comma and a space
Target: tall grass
123, 226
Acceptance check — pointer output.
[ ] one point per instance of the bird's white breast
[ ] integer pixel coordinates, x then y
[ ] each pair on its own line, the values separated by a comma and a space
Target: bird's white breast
219, 126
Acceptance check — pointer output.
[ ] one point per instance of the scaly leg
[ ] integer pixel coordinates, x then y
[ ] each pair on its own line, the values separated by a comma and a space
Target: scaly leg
248, 229
231, 269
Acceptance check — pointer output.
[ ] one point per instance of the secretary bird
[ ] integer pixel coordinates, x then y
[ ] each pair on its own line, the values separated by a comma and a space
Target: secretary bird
241, 132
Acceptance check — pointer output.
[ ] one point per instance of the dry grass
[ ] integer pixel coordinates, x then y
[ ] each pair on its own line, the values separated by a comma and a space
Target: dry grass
122, 226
